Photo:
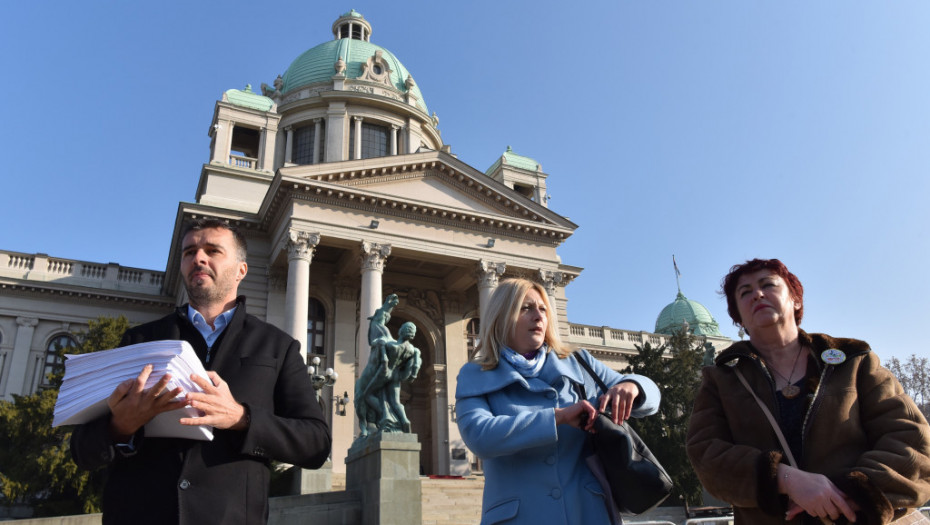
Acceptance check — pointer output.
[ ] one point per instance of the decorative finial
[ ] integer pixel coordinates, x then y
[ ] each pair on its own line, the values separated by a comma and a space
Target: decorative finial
340, 66
409, 83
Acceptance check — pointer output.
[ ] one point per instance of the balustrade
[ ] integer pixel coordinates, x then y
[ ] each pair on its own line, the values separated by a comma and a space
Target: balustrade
240, 161
21, 263
22, 266
60, 267
93, 271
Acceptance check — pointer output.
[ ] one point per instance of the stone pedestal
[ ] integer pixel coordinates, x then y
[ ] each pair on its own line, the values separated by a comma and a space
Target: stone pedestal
385, 470
307, 481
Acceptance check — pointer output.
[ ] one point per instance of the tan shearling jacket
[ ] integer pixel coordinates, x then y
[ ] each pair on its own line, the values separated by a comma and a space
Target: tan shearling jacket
860, 430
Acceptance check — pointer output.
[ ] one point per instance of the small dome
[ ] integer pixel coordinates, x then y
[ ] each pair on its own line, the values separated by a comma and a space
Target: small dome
512, 159
317, 65
248, 99
681, 310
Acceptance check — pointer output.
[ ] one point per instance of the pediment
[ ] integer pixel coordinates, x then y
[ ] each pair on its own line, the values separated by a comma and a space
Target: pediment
432, 189
421, 186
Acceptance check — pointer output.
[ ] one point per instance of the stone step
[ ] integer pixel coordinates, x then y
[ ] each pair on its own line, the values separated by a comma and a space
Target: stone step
455, 501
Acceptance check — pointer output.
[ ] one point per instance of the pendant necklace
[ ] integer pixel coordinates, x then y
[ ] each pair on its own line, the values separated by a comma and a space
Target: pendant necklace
790, 391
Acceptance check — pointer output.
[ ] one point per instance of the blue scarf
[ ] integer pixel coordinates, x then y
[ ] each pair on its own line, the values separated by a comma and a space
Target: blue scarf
526, 367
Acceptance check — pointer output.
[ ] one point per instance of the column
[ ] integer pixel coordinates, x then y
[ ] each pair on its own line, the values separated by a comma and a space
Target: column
373, 258
300, 247
16, 378
336, 132
358, 138
227, 147
394, 129
550, 279
262, 148
289, 146
222, 140
317, 144
489, 274
345, 333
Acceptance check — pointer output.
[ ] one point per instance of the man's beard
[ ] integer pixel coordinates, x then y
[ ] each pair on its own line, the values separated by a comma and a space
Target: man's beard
204, 294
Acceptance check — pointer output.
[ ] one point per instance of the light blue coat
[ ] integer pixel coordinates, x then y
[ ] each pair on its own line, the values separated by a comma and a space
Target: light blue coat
534, 470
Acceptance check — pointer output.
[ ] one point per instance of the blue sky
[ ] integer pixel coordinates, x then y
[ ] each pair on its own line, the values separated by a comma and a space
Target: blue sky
716, 131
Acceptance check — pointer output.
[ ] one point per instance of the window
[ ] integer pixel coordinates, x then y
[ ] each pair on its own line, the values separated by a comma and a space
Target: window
316, 328
471, 336
374, 140
54, 360
304, 144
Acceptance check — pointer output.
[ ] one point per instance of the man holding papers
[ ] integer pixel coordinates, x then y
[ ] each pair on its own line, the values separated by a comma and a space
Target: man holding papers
258, 399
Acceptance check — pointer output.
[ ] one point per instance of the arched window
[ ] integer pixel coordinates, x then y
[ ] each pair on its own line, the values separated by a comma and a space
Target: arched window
316, 328
54, 360
471, 336
375, 140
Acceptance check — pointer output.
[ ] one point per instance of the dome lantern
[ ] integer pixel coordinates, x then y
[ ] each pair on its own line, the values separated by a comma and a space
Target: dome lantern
352, 25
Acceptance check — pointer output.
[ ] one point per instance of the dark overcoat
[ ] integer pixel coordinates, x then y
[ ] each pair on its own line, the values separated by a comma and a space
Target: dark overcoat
226, 480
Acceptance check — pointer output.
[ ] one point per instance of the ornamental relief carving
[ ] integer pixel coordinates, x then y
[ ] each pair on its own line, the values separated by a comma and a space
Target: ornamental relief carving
361, 89
489, 273
376, 69
427, 302
374, 255
301, 245
550, 281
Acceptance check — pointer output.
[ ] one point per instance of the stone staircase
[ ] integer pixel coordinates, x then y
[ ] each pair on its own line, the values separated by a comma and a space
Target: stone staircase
452, 501
446, 501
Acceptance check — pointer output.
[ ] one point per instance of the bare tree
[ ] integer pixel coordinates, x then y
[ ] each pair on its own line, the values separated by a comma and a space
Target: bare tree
914, 375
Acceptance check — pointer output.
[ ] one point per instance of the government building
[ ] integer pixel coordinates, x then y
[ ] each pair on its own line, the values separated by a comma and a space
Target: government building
338, 176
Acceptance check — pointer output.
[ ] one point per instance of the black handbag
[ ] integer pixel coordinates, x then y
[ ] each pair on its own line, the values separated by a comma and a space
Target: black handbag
634, 477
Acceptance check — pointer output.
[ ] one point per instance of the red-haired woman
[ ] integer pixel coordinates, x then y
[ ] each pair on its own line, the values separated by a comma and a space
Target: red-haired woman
861, 446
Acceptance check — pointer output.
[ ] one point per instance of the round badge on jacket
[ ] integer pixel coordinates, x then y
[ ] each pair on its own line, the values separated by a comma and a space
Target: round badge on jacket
832, 356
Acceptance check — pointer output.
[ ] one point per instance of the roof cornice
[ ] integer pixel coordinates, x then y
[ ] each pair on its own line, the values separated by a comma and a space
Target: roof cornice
91, 294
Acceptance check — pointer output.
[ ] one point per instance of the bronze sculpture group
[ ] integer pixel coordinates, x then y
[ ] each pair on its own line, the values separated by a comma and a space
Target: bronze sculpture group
391, 362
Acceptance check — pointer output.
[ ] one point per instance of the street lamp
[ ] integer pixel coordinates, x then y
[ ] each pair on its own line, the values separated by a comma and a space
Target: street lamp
327, 378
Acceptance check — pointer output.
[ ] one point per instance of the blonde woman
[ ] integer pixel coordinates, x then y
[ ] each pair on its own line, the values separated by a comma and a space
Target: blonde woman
518, 411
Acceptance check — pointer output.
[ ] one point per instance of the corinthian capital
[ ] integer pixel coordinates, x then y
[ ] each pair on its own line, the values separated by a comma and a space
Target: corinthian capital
301, 244
550, 280
374, 255
489, 273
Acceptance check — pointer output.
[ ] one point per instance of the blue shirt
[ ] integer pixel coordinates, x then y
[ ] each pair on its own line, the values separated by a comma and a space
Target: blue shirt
209, 334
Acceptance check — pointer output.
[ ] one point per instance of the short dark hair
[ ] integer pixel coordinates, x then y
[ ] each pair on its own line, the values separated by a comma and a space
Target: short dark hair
728, 286
210, 224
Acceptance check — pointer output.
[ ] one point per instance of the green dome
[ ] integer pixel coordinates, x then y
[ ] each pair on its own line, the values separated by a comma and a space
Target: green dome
681, 310
249, 99
317, 65
512, 159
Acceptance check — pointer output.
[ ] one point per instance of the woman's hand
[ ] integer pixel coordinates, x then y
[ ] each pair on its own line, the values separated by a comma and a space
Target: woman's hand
580, 415
814, 494
620, 399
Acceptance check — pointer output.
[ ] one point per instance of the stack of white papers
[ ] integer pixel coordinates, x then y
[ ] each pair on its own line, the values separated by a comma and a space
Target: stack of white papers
91, 378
